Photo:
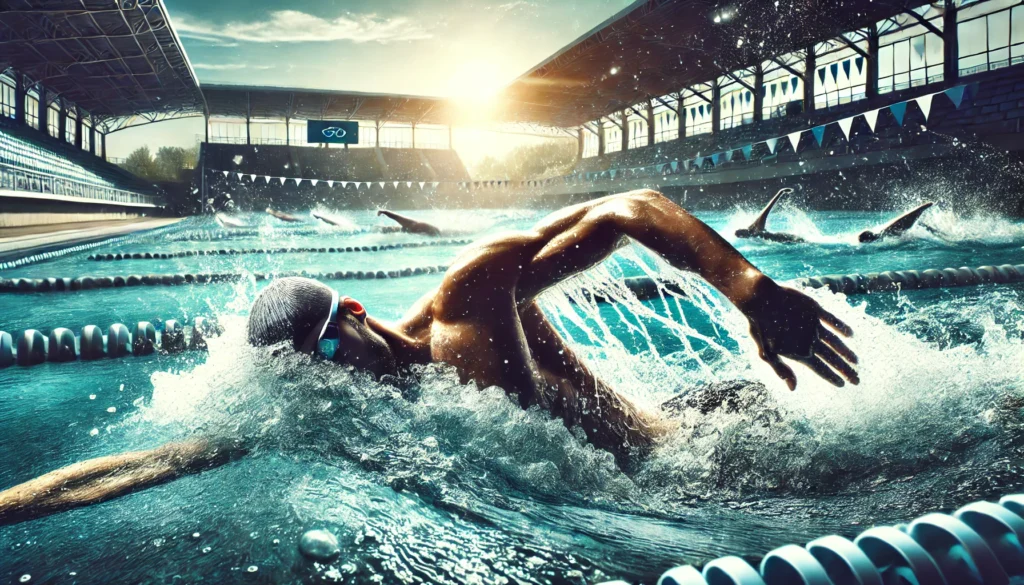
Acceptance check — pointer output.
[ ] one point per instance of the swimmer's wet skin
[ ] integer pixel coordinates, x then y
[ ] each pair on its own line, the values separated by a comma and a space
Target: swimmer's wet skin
484, 321
283, 216
759, 228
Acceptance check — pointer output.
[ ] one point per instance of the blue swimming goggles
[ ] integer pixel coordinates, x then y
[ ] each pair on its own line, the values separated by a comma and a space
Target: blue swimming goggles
330, 336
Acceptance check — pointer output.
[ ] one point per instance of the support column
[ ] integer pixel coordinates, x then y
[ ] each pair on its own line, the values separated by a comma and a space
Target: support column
414, 135
103, 143
41, 111
62, 123
681, 116
78, 130
871, 83
650, 123
19, 98
810, 63
625, 130
287, 131
451, 143
716, 112
951, 43
92, 139
600, 137
248, 130
758, 93
377, 139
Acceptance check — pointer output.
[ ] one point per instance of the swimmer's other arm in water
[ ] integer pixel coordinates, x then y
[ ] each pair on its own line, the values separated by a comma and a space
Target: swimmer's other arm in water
898, 226
104, 478
283, 216
758, 229
411, 225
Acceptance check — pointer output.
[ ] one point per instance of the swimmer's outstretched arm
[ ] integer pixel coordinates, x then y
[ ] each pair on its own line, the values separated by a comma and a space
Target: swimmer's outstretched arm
104, 478
411, 225
783, 322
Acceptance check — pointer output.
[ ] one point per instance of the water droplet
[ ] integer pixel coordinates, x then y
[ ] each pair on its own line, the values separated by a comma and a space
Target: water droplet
112, 409
207, 549
92, 397
94, 432
252, 569
25, 578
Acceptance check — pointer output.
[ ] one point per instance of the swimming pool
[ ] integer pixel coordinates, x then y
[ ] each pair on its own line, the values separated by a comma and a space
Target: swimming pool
424, 479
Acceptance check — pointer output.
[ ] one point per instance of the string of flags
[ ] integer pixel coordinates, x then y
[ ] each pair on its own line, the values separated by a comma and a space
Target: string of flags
956, 95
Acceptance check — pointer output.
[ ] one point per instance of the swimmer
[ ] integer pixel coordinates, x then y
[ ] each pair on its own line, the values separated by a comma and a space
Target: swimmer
329, 220
758, 229
225, 221
283, 216
411, 225
898, 226
483, 319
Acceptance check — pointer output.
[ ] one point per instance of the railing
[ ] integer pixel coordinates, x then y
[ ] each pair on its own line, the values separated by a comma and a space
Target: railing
17, 179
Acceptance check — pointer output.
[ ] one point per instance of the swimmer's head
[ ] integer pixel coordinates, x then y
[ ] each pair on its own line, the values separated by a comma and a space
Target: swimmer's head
299, 311
867, 236
744, 233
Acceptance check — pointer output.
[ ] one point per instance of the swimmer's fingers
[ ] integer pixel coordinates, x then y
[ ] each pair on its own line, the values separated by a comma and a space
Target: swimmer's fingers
833, 341
840, 365
781, 370
834, 322
821, 368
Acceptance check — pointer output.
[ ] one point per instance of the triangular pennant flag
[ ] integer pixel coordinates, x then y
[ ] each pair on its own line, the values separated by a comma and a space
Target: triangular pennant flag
281, 179
846, 67
860, 64
239, 176
775, 87
298, 182
834, 69
674, 165
314, 181
772, 143
381, 183
612, 173
747, 150
714, 158
395, 183
925, 103
331, 184
422, 183
845, 125
252, 178
821, 75
225, 173
794, 139
686, 165
819, 133
434, 184
660, 168
899, 111
359, 185
956, 95
871, 118
728, 155
266, 178
794, 81
699, 162
408, 184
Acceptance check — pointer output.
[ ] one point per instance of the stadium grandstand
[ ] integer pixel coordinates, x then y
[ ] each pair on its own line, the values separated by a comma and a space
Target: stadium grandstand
683, 95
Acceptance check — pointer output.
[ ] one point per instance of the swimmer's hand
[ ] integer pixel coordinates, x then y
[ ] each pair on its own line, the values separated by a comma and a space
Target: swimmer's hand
787, 323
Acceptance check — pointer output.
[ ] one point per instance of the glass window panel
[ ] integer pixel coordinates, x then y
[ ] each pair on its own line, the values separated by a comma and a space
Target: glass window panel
901, 52
973, 37
999, 29
885, 61
917, 52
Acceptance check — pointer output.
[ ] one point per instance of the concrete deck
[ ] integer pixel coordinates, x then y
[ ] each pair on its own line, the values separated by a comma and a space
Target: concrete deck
16, 242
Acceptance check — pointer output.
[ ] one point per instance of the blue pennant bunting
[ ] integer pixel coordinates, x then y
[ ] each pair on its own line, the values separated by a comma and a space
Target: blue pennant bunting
794, 81
661, 168
834, 68
819, 133
699, 162
821, 75
846, 67
747, 150
612, 173
860, 64
701, 110
728, 155
956, 95
899, 111
772, 143
750, 96
714, 158
775, 87
674, 165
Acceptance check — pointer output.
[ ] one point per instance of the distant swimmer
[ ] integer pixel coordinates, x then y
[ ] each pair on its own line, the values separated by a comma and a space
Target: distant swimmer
484, 321
329, 220
283, 216
411, 225
225, 221
758, 229
898, 226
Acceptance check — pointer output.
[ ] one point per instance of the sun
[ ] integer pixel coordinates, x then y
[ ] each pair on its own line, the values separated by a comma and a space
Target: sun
475, 81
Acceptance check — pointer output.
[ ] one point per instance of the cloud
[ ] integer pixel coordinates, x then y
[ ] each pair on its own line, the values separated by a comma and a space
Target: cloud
230, 66
292, 26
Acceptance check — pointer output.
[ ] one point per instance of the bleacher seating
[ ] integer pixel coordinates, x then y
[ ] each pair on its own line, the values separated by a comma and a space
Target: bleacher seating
446, 164
405, 164
30, 161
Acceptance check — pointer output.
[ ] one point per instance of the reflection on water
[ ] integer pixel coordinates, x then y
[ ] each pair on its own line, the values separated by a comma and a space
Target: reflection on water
425, 479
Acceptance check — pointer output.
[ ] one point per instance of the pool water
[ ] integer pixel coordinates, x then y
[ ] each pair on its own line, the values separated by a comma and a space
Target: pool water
427, 480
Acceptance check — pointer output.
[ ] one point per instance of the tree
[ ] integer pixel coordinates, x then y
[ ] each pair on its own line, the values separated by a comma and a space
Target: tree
141, 164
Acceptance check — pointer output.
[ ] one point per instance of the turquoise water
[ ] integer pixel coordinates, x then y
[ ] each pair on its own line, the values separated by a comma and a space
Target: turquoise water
424, 479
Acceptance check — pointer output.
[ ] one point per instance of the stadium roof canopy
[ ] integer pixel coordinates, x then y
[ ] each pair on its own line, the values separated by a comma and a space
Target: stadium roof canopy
282, 102
114, 58
661, 46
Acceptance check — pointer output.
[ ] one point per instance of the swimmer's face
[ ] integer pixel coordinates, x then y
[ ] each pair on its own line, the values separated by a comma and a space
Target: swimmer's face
867, 236
360, 346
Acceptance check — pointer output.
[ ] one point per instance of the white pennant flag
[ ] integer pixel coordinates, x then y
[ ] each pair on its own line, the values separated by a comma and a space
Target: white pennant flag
252, 178
298, 182
421, 185
382, 184
330, 184
794, 139
281, 179
871, 118
435, 184
266, 178
239, 176
358, 185
845, 126
225, 173
395, 183
344, 184
408, 184
925, 103
771, 142
314, 181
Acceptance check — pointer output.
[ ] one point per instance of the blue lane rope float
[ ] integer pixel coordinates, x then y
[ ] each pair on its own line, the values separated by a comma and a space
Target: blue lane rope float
32, 347
200, 235
28, 285
855, 284
282, 250
979, 544
59, 252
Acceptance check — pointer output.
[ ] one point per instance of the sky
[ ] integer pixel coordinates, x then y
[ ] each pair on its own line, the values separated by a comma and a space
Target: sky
420, 47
